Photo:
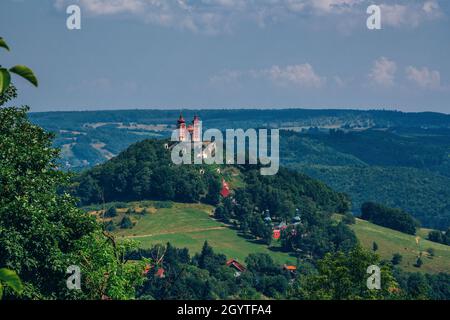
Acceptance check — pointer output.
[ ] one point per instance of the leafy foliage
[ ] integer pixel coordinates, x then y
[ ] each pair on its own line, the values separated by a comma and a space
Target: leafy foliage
10, 279
440, 237
387, 217
21, 70
343, 276
145, 172
41, 230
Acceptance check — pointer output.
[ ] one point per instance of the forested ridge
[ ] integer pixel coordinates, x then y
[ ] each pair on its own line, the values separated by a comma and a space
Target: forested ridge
403, 168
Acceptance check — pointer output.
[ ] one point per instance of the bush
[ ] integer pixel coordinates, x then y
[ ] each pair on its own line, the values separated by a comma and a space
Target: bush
163, 204
349, 218
397, 259
111, 212
374, 246
440, 237
395, 219
418, 263
110, 226
126, 223
121, 205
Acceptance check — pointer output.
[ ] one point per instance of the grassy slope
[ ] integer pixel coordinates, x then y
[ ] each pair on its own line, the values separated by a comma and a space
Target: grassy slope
189, 225
391, 241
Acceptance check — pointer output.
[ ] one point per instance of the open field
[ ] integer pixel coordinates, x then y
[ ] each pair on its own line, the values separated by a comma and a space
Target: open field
189, 225
390, 241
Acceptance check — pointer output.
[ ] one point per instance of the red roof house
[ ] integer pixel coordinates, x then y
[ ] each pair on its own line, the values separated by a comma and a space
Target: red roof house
160, 273
236, 265
290, 268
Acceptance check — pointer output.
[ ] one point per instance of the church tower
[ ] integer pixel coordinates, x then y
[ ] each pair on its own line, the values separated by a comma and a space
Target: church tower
182, 132
197, 134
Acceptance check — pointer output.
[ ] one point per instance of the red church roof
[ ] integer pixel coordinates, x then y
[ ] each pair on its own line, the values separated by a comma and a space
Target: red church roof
225, 192
181, 119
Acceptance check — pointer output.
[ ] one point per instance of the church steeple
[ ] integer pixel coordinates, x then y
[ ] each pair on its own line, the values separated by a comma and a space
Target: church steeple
182, 132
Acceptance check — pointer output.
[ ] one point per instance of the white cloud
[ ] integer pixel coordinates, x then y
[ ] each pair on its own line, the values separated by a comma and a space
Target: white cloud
423, 77
226, 77
409, 14
383, 72
216, 16
300, 76
333, 6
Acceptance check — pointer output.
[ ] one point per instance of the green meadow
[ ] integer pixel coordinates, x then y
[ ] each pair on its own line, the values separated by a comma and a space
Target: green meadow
410, 247
189, 226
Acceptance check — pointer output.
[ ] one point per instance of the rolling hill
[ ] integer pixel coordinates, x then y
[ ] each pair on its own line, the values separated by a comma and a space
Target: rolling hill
406, 168
189, 225
390, 242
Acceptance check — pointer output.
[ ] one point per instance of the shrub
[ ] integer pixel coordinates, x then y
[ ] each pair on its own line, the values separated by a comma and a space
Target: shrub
110, 226
163, 204
374, 246
397, 259
418, 263
126, 223
111, 212
395, 219
349, 218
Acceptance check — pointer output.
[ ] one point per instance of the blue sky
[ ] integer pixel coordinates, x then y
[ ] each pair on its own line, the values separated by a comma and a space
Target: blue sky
230, 54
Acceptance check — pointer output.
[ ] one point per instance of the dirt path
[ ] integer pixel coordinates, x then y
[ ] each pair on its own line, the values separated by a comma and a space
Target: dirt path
173, 232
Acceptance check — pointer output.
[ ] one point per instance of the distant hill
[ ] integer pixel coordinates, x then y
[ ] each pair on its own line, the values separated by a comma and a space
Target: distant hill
145, 171
408, 168
395, 158
88, 138
423, 194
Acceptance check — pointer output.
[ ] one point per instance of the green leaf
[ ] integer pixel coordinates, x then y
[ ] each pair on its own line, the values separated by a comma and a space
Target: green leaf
5, 79
25, 73
1, 291
11, 279
3, 44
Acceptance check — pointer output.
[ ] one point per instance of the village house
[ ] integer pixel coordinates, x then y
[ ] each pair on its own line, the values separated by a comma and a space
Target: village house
234, 264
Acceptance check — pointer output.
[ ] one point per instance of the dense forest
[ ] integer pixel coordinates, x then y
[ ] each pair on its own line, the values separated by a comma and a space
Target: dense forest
337, 276
406, 168
395, 219
145, 171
